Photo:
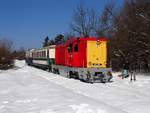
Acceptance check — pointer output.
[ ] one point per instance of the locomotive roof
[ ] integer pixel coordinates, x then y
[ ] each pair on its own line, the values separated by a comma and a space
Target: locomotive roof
86, 39
74, 39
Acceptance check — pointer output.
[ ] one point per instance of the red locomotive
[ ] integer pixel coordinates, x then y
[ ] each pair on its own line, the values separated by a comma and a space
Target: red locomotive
83, 58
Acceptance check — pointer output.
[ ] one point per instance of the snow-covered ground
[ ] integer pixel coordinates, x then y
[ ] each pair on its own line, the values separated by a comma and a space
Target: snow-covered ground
29, 90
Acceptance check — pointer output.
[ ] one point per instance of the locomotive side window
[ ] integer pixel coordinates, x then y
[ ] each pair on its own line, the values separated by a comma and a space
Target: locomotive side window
70, 48
76, 48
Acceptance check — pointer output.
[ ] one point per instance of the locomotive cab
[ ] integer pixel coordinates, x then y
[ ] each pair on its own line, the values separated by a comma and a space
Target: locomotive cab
83, 58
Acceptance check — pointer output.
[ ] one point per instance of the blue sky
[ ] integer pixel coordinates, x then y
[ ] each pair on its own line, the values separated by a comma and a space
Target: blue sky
28, 22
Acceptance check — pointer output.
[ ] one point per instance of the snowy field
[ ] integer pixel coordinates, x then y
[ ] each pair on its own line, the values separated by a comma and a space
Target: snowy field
29, 90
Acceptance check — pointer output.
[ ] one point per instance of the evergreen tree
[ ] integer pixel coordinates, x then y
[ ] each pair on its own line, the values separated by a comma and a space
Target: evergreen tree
46, 42
59, 39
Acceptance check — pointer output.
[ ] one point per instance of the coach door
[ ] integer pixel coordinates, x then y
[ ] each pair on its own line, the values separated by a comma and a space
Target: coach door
76, 55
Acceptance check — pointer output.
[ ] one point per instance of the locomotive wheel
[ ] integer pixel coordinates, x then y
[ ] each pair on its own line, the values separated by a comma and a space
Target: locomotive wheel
57, 71
76, 75
103, 80
89, 80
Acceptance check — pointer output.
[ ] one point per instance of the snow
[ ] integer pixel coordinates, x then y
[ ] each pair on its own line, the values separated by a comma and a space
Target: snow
26, 89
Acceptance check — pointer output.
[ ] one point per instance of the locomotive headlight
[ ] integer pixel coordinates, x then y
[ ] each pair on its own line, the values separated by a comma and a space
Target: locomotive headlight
90, 63
98, 43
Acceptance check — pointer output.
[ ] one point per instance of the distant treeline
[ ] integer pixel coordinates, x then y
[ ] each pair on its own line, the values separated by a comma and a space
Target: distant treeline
8, 55
6, 58
57, 40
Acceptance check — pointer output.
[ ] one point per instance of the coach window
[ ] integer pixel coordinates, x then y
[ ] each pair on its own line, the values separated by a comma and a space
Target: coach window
76, 48
70, 48
40, 54
44, 54
36, 54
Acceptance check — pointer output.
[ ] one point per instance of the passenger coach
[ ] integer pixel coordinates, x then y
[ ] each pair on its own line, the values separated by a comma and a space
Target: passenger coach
42, 58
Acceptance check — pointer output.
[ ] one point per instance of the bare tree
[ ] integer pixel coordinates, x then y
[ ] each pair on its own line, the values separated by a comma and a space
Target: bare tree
19, 54
106, 27
105, 24
84, 20
6, 58
59, 39
131, 41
